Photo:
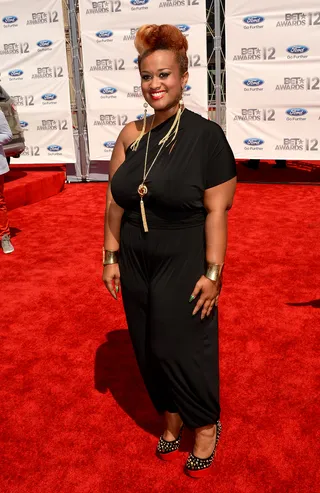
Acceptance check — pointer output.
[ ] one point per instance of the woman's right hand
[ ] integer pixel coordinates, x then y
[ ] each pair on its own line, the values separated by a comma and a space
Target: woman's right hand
111, 279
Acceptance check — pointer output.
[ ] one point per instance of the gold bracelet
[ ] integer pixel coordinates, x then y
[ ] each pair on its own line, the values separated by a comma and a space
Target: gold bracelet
214, 272
109, 257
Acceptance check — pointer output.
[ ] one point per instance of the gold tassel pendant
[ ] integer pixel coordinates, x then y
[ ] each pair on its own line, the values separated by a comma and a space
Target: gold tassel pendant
142, 191
143, 215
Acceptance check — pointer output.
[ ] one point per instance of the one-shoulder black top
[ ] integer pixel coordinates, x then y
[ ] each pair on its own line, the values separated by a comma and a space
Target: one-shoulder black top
200, 159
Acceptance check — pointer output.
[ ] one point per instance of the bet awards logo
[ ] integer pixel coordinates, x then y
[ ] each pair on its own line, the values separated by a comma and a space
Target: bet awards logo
104, 7
15, 49
131, 35
48, 72
43, 18
298, 144
253, 22
255, 54
299, 84
300, 19
135, 93
31, 151
53, 125
23, 100
179, 3
256, 115
119, 120
105, 64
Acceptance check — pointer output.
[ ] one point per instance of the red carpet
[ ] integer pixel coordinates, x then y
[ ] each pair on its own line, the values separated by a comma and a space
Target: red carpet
62, 336
27, 187
295, 172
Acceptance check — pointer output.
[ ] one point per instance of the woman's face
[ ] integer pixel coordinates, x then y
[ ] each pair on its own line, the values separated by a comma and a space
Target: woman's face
161, 81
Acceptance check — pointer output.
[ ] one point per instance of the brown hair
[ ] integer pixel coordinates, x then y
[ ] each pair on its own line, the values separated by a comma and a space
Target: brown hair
152, 37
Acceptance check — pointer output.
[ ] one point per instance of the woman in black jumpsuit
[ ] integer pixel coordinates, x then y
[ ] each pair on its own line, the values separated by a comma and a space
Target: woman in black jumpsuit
177, 352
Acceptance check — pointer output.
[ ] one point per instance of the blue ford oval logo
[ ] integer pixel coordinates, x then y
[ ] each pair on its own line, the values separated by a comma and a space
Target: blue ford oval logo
135, 61
23, 124
10, 19
54, 148
297, 49
253, 19
104, 34
296, 112
44, 43
15, 73
183, 27
108, 90
254, 141
49, 96
187, 88
138, 2
253, 82
109, 144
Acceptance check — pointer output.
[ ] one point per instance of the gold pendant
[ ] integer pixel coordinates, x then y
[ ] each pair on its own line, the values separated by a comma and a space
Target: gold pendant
143, 215
142, 190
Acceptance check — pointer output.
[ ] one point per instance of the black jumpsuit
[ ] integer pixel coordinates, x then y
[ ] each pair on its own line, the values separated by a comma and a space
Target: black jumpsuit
177, 353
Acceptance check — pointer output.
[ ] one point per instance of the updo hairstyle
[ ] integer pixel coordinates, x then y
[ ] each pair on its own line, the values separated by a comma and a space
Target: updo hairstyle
152, 37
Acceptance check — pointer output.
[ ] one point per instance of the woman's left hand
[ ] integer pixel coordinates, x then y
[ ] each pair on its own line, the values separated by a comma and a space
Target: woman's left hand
209, 295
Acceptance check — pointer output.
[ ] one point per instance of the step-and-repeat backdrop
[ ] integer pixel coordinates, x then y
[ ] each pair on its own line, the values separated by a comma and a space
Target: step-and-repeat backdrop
34, 72
273, 78
112, 82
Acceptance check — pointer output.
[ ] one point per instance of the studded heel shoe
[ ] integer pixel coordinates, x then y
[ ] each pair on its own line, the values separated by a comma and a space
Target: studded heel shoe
169, 450
198, 468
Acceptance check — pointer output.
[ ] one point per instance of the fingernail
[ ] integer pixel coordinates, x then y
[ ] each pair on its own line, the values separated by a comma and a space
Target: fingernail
117, 289
191, 298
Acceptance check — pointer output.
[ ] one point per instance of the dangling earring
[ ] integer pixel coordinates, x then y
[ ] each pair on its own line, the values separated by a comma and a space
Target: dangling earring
172, 133
134, 146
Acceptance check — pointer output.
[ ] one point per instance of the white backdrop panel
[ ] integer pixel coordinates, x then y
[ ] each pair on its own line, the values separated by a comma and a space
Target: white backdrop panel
112, 81
273, 79
34, 72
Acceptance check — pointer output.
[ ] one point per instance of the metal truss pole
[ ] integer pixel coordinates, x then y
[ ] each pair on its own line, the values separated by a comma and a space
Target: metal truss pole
77, 84
217, 52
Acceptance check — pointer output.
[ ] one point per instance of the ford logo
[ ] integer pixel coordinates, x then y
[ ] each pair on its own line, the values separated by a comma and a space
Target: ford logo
23, 124
253, 82
253, 19
138, 2
187, 88
49, 96
183, 27
54, 148
296, 112
104, 34
44, 43
15, 73
108, 90
254, 142
135, 60
110, 144
297, 49
10, 19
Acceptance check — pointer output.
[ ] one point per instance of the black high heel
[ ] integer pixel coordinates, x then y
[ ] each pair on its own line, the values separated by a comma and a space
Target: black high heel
198, 468
169, 450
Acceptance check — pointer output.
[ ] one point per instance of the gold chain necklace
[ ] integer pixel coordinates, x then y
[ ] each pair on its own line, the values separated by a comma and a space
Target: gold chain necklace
142, 188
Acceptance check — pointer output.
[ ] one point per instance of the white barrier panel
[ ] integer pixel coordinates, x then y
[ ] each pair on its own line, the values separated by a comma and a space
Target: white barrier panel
273, 79
112, 82
34, 73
